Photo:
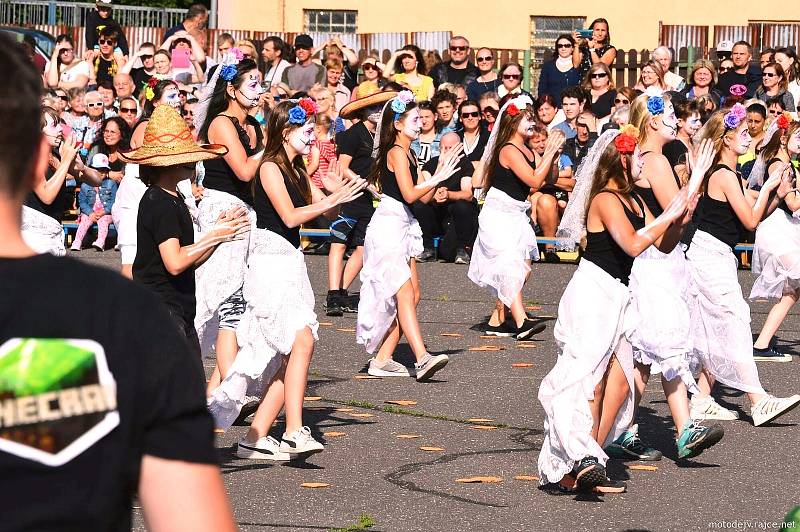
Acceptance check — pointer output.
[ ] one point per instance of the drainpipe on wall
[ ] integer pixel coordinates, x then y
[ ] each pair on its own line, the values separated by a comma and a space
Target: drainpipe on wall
526, 70
212, 19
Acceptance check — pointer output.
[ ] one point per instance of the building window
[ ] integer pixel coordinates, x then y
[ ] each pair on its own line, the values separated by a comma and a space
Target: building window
544, 32
330, 21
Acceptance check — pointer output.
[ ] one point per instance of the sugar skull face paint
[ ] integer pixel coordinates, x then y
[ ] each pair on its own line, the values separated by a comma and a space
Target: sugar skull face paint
171, 97
793, 144
525, 127
251, 88
669, 122
52, 131
412, 124
302, 138
740, 139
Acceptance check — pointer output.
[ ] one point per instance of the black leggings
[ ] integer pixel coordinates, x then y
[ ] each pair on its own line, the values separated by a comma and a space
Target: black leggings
433, 219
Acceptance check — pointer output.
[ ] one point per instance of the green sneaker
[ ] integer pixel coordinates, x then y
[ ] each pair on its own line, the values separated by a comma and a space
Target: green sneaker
629, 447
695, 438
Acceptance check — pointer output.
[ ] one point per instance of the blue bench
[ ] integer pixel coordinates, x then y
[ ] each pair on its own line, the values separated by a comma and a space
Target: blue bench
71, 227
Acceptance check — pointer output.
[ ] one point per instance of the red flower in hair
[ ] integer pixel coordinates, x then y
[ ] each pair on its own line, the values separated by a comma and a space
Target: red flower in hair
308, 105
152, 82
783, 122
512, 110
625, 144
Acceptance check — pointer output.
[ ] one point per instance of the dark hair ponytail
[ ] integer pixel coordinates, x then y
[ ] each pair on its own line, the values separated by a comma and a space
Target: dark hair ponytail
219, 98
158, 91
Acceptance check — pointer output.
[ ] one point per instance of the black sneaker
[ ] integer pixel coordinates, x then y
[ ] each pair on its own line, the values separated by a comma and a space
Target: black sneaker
551, 256
610, 486
333, 304
427, 255
503, 330
349, 302
588, 473
528, 329
462, 257
628, 446
770, 354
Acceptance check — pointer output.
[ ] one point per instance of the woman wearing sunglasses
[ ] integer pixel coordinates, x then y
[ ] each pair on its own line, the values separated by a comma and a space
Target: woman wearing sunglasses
473, 138
774, 85
598, 83
373, 79
511, 79
559, 73
66, 70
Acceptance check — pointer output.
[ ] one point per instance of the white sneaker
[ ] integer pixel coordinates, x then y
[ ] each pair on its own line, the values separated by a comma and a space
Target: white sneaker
266, 448
300, 441
772, 407
705, 407
388, 368
429, 365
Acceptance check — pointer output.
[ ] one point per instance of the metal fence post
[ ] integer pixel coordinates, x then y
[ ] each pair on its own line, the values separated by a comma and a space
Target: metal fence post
51, 12
526, 70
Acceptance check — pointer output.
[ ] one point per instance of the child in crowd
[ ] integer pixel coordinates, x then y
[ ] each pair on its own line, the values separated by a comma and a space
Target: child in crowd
95, 204
323, 152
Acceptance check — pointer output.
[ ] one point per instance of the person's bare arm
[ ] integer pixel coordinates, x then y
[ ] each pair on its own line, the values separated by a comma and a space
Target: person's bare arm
47, 189
726, 183
179, 496
512, 158
397, 162
52, 73
222, 131
313, 161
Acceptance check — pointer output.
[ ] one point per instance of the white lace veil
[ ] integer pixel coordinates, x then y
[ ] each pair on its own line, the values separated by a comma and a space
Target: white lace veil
376, 142
522, 101
759, 170
572, 228
207, 92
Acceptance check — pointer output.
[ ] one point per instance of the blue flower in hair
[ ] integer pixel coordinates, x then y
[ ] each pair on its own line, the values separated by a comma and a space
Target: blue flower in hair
228, 72
297, 115
655, 105
398, 106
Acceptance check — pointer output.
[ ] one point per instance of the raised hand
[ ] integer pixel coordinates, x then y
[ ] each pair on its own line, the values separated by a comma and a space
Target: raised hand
349, 191
448, 165
787, 181
231, 225
677, 207
699, 162
69, 149
555, 142
775, 178
335, 178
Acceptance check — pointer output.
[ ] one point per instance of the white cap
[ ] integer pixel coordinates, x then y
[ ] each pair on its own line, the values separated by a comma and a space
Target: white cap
724, 46
100, 162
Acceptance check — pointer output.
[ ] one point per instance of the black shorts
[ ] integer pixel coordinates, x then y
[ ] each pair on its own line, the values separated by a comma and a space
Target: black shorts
560, 195
350, 227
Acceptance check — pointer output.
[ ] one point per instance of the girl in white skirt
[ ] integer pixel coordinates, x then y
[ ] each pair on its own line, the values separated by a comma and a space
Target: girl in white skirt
659, 287
776, 254
720, 317
390, 289
588, 396
222, 117
506, 242
277, 332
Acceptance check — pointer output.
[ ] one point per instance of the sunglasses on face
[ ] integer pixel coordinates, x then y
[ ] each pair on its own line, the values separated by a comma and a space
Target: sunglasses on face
127, 110
770, 75
67, 50
511, 76
296, 48
146, 57
369, 67
473, 114
774, 112
490, 111
106, 41
188, 113
487, 58
458, 48
63, 98
599, 75
564, 45
723, 69
95, 104
621, 100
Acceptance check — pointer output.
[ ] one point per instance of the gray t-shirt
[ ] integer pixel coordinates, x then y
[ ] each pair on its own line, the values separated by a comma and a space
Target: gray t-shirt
302, 78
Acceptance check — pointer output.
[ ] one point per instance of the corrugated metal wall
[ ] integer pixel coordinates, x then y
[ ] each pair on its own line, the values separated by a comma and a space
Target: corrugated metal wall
677, 37
775, 35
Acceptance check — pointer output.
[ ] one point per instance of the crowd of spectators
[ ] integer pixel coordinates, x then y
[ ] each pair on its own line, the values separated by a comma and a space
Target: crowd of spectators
104, 89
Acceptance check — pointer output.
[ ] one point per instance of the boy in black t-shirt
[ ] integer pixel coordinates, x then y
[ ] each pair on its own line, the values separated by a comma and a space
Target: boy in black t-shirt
100, 398
166, 254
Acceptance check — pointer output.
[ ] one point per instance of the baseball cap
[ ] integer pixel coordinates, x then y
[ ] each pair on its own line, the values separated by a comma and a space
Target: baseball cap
303, 41
725, 46
100, 162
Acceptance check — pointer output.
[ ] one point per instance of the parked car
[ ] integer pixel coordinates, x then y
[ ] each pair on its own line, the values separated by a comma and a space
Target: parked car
45, 43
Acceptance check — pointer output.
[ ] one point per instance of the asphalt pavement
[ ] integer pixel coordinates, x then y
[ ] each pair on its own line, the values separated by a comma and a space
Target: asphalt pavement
480, 418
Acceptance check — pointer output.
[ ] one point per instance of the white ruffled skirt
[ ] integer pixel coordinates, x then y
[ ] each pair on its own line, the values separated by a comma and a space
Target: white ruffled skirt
659, 285
393, 238
280, 303
505, 243
224, 271
776, 257
125, 211
594, 320
720, 317
42, 233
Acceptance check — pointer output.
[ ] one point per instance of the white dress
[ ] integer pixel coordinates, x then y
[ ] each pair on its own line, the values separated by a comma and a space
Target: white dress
125, 212
393, 238
42, 233
776, 257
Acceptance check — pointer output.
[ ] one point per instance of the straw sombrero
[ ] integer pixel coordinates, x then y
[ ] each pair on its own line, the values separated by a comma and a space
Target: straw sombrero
168, 142
367, 101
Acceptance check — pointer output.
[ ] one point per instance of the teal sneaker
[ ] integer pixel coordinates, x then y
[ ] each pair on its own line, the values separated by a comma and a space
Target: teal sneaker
695, 438
629, 447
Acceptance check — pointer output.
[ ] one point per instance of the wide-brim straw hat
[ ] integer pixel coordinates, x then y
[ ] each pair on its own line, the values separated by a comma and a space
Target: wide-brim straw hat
367, 101
168, 142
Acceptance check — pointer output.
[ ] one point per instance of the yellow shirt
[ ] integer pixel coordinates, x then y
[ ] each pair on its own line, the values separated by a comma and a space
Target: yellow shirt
420, 91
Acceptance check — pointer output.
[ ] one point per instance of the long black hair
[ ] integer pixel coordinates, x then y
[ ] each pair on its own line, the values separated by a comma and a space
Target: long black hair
295, 170
148, 106
68, 39
219, 98
387, 140
124, 131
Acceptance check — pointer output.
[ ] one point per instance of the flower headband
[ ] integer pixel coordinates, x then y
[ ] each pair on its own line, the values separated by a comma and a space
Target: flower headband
734, 117
400, 103
655, 105
627, 139
299, 113
229, 62
783, 121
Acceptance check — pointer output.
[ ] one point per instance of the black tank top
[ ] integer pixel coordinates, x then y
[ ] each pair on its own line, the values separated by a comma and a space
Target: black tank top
717, 218
388, 181
268, 218
56, 209
220, 176
603, 250
507, 181
649, 197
